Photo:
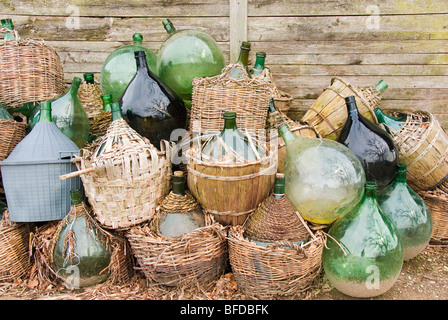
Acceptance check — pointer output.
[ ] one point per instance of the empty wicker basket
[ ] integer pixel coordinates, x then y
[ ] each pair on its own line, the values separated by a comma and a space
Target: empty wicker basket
437, 201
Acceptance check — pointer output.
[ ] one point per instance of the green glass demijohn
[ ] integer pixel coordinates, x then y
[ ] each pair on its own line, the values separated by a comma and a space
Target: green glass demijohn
243, 61
231, 144
259, 64
363, 255
119, 67
182, 217
389, 122
409, 213
69, 115
324, 179
82, 252
187, 54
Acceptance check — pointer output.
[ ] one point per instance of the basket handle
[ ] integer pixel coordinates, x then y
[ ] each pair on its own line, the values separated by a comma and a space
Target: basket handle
16, 34
76, 173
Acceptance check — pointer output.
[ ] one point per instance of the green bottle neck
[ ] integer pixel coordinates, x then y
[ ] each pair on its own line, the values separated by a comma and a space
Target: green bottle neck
75, 86
243, 58
178, 181
381, 86
75, 196
140, 60
7, 23
169, 27
279, 186
401, 173
137, 39
107, 101
271, 105
230, 121
286, 134
352, 108
89, 78
259, 61
45, 111
370, 190
116, 111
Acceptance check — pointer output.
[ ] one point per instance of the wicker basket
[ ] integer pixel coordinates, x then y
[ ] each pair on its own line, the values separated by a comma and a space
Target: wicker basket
212, 96
328, 113
437, 202
125, 178
274, 272
230, 191
89, 95
199, 256
11, 133
423, 146
283, 100
31, 71
14, 250
43, 241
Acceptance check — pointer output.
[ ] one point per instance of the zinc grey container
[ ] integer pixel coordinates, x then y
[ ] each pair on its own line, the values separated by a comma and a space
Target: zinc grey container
34, 192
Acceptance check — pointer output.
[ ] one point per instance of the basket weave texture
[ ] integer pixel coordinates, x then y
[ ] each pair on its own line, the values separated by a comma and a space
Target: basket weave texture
129, 177
283, 100
212, 96
198, 256
437, 202
274, 272
423, 146
31, 71
14, 249
11, 133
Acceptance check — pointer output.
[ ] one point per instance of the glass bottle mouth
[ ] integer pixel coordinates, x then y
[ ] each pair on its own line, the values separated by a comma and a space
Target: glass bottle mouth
261, 54
137, 37
371, 185
228, 115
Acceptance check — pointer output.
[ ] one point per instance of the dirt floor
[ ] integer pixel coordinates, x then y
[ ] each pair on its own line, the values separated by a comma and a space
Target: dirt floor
422, 278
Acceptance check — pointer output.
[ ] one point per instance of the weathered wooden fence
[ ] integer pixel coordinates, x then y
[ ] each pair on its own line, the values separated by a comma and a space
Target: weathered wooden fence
307, 41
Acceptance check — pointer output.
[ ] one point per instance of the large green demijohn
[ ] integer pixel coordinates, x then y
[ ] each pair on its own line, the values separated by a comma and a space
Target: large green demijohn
409, 213
82, 252
363, 255
324, 179
119, 67
185, 55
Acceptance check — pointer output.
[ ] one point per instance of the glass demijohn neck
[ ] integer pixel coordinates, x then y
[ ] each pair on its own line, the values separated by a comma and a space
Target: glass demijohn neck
107, 101
89, 78
116, 111
169, 27
279, 186
7, 23
178, 181
259, 64
45, 111
75, 196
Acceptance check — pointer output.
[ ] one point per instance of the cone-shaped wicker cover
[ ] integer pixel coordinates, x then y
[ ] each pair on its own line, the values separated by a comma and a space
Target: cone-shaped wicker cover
45, 143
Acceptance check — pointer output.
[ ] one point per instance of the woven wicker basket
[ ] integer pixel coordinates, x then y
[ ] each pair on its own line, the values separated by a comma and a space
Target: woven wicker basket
283, 100
31, 71
437, 201
43, 241
14, 250
199, 256
212, 96
125, 178
11, 133
423, 146
328, 113
230, 191
274, 272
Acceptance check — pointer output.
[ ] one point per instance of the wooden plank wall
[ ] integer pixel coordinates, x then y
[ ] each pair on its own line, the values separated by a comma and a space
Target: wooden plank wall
307, 41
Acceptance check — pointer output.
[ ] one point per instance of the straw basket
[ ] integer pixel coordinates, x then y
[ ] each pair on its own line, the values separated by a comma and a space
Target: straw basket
437, 202
125, 178
11, 133
197, 256
230, 191
283, 100
31, 71
89, 95
274, 271
212, 96
423, 146
14, 249
328, 113
43, 241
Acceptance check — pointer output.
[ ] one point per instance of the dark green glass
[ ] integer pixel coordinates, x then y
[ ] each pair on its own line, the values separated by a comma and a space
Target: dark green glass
409, 213
4, 114
86, 263
324, 179
119, 67
243, 60
7, 23
185, 55
178, 222
259, 64
279, 186
231, 142
363, 253
89, 78
69, 115
151, 107
389, 122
